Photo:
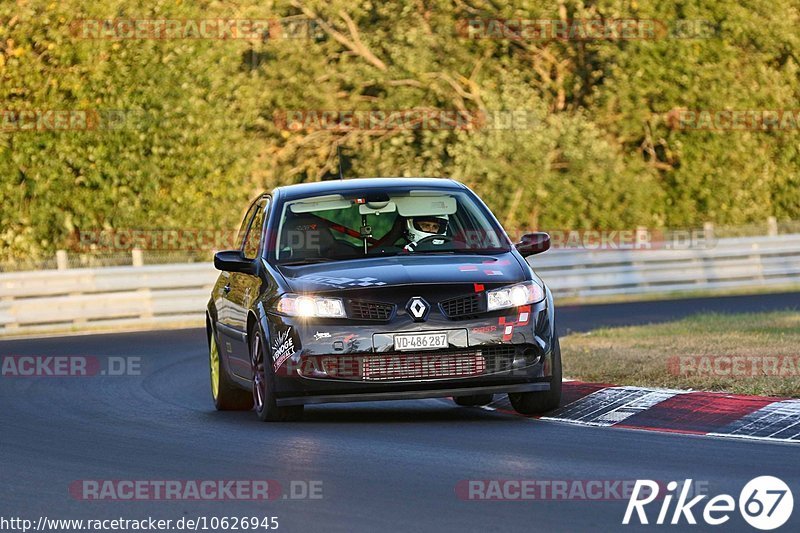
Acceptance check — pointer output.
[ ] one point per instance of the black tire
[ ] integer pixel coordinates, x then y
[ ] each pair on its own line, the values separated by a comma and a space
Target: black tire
226, 394
263, 396
474, 400
538, 402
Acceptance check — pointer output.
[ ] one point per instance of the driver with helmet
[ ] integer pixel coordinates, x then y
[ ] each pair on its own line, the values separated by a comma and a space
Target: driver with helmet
419, 228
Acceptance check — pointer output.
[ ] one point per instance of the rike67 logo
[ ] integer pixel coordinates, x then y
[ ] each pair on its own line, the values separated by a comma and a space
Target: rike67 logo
765, 503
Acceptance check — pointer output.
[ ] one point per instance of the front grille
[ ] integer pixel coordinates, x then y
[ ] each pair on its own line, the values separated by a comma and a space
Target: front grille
362, 310
462, 307
423, 366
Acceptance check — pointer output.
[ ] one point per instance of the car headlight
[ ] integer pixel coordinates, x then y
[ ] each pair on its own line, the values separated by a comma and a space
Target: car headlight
515, 296
311, 306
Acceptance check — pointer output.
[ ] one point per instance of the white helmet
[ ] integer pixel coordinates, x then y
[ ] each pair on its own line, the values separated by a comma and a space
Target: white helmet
426, 226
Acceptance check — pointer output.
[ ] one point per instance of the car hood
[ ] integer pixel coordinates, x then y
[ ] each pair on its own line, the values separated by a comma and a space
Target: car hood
376, 272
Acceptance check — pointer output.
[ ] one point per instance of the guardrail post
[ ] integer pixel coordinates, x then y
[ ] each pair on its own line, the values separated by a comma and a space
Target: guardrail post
137, 257
707, 261
643, 239
147, 312
772, 226
758, 266
63, 264
642, 236
61, 260
708, 231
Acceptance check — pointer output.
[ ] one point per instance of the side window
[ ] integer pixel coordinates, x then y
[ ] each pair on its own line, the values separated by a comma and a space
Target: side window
254, 232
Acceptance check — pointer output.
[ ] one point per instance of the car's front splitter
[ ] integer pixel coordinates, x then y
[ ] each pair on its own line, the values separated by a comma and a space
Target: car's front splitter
411, 394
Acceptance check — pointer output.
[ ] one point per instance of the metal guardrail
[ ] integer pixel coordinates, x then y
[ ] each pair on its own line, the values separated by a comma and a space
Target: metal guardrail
124, 297
729, 263
152, 296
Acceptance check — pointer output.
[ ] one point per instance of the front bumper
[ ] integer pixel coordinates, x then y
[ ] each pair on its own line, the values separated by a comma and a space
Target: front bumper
411, 395
324, 361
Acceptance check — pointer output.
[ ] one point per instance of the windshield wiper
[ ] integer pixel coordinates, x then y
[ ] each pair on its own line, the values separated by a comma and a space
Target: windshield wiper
307, 261
487, 251
460, 252
433, 252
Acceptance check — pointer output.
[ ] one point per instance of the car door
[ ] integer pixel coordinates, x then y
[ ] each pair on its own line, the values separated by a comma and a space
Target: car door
230, 331
244, 289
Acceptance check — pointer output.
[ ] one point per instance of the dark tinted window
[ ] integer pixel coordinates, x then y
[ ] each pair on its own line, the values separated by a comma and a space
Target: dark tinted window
253, 238
248, 217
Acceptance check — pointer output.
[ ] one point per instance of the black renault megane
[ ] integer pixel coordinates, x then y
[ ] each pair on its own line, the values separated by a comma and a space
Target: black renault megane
379, 289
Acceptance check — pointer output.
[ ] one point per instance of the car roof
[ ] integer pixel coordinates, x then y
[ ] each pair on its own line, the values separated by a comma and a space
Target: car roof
303, 190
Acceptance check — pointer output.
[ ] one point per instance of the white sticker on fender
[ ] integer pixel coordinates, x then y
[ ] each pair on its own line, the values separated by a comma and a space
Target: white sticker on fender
282, 346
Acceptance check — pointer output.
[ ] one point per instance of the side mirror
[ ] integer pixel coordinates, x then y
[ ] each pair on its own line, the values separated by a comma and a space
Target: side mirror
235, 261
533, 243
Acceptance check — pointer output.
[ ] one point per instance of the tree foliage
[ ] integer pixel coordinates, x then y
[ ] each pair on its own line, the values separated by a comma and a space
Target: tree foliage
196, 135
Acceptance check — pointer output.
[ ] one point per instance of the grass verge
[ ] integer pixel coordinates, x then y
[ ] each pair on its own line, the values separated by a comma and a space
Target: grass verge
677, 295
756, 353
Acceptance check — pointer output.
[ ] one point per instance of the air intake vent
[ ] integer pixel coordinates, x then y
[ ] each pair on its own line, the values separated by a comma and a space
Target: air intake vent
499, 358
462, 307
362, 310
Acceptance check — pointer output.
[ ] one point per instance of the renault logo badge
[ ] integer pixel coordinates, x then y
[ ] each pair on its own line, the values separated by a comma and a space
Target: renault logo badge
418, 308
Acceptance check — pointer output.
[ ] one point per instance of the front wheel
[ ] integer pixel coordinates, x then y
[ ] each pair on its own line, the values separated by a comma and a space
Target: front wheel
538, 402
263, 385
226, 395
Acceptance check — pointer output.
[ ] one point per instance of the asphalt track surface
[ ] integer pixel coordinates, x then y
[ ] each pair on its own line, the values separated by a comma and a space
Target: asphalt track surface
384, 466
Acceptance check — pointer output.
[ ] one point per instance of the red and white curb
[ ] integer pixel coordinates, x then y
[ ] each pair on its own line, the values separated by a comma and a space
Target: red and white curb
700, 413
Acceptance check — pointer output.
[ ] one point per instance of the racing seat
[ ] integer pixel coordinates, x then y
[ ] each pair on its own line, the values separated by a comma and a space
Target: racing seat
310, 236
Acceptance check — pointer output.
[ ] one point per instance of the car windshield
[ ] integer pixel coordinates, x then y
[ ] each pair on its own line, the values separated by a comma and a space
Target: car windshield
367, 224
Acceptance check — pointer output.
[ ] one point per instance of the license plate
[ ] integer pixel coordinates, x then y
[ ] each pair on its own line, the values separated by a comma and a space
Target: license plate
420, 341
